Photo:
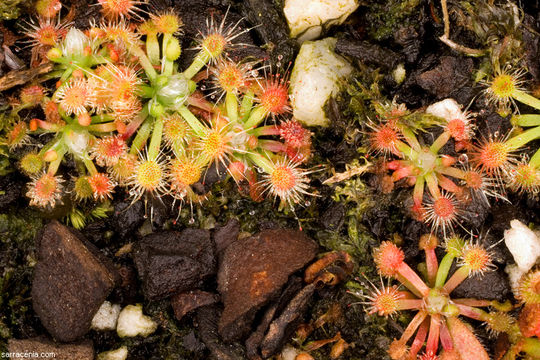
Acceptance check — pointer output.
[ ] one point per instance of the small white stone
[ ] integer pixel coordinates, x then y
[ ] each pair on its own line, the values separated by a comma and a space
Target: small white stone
119, 354
132, 322
306, 18
317, 75
106, 317
399, 74
447, 109
289, 353
514, 276
524, 245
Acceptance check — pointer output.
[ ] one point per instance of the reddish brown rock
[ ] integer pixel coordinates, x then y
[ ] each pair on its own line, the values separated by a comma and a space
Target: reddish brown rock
226, 235
188, 301
71, 281
252, 273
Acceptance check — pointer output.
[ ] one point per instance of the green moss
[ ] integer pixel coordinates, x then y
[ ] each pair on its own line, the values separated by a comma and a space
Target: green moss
499, 27
363, 91
6, 121
5, 164
11, 9
226, 201
384, 17
18, 229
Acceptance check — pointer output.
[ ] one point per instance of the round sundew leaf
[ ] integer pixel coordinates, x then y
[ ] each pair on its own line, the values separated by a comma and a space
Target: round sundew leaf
465, 341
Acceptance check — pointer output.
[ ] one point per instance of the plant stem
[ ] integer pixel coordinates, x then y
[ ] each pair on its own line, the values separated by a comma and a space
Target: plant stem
231, 103
155, 140
152, 48
472, 302
265, 130
433, 186
418, 192
461, 48
432, 342
452, 171
526, 120
255, 118
525, 137
141, 137
135, 123
272, 145
406, 150
432, 265
457, 278
101, 118
446, 338
413, 325
439, 142
104, 127
144, 61
444, 268
98, 60
531, 346
193, 122
147, 91
446, 18
166, 65
409, 304
535, 160
418, 341
54, 165
262, 162
405, 282
49, 127
472, 312
197, 100
247, 104
66, 74
446, 36
447, 184
409, 136
402, 172
198, 63
89, 165
526, 99
418, 285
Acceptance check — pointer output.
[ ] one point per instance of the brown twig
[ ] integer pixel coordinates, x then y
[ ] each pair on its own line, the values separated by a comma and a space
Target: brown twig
446, 37
20, 77
349, 172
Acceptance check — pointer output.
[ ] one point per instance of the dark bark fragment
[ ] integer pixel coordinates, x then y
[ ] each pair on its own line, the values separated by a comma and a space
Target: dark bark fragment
283, 327
170, 261
369, 53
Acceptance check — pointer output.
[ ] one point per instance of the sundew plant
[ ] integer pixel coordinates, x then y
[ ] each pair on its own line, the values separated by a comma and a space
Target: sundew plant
125, 113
